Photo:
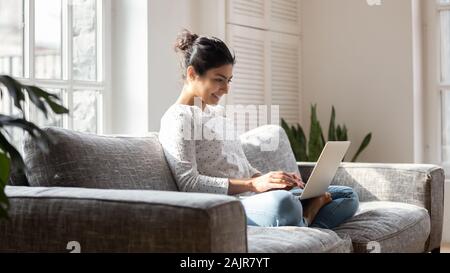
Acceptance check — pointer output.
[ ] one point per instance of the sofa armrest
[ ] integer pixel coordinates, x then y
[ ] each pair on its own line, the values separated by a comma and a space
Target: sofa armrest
46, 219
417, 184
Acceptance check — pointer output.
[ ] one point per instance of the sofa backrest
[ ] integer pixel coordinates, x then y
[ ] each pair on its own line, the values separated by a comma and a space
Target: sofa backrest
17, 178
98, 161
129, 162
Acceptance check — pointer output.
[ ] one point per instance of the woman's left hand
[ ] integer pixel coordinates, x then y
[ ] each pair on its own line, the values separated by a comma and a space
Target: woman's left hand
299, 180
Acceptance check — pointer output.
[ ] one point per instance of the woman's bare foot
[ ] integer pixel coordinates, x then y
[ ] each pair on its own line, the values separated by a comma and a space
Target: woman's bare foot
314, 205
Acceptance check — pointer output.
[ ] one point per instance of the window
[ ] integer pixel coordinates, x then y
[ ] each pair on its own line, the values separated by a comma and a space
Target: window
58, 46
444, 19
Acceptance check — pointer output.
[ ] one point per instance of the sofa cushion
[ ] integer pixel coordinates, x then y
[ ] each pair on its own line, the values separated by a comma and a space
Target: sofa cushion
267, 148
106, 221
98, 161
381, 226
290, 239
17, 178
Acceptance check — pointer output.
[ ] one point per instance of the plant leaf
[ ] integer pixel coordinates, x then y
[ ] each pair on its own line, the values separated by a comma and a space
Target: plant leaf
37, 93
316, 141
363, 145
3, 213
332, 128
302, 143
290, 135
41, 137
5, 167
339, 133
10, 158
295, 144
37, 101
297, 140
14, 89
284, 124
16, 159
4, 205
321, 136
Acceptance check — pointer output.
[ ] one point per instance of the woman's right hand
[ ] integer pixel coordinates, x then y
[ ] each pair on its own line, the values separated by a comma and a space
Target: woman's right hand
274, 181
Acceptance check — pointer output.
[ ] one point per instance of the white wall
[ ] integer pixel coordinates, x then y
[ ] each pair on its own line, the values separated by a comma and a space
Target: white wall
129, 54
143, 59
356, 57
360, 59
166, 19
209, 17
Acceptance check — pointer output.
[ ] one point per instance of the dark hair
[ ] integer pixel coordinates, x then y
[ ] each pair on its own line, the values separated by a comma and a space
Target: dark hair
203, 53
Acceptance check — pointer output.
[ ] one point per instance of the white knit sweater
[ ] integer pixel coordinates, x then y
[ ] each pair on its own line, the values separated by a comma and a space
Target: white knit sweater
200, 156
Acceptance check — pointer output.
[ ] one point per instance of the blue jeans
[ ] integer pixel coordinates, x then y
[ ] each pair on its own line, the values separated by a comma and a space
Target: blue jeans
283, 208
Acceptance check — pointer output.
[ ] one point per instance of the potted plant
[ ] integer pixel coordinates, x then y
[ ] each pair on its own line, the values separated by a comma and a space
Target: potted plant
10, 159
310, 151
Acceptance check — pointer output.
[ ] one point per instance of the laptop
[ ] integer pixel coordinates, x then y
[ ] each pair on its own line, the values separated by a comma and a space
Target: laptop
325, 169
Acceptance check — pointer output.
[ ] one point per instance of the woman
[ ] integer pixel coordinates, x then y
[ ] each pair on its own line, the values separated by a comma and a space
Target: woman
218, 164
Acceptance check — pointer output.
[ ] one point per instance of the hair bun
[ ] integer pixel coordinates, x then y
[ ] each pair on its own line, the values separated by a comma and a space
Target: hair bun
185, 40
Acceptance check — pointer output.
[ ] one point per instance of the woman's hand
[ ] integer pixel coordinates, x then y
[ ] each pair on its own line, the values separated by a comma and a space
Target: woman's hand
300, 182
276, 181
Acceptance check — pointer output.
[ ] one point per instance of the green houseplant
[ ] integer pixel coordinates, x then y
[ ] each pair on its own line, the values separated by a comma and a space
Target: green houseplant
10, 158
310, 151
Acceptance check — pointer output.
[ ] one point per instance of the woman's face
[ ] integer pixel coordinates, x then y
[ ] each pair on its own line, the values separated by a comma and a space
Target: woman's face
213, 84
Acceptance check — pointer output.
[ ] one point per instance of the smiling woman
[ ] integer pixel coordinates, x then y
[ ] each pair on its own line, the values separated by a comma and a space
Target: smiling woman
207, 66
211, 163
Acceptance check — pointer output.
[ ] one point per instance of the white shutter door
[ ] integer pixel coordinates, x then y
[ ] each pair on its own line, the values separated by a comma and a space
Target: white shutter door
285, 16
285, 75
248, 12
248, 85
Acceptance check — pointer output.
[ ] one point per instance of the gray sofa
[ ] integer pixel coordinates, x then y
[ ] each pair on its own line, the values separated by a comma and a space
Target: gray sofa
117, 194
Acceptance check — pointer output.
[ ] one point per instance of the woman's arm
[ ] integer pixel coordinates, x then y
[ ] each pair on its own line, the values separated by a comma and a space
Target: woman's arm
262, 183
179, 149
236, 186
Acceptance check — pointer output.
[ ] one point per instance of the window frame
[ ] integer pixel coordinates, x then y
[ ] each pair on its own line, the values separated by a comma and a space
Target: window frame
442, 85
67, 83
441, 7
433, 82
